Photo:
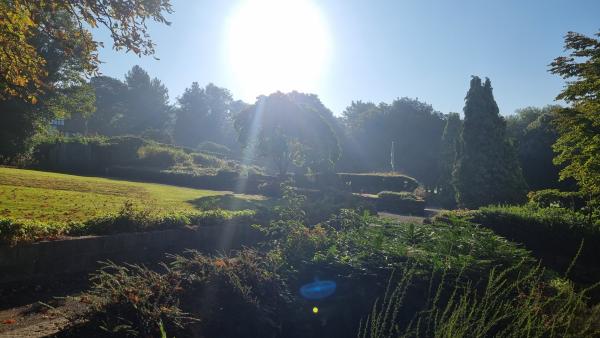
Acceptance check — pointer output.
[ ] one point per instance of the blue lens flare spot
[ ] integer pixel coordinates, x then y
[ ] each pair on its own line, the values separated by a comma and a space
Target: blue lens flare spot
318, 289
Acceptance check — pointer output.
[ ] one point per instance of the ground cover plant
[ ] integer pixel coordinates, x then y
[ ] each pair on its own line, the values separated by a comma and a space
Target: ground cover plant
36, 205
447, 278
553, 234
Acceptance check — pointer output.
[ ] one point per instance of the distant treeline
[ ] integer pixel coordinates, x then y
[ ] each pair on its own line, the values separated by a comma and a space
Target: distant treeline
427, 143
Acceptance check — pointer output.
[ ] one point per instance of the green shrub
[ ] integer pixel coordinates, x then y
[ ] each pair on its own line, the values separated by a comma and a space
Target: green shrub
400, 202
556, 198
374, 183
128, 219
222, 296
133, 300
528, 305
90, 155
194, 178
206, 160
161, 156
213, 148
552, 234
17, 231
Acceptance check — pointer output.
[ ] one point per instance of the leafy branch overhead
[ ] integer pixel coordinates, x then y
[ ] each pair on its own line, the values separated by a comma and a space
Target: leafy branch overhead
578, 145
23, 67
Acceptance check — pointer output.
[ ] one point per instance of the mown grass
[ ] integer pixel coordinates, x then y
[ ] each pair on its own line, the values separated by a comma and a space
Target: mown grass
28, 195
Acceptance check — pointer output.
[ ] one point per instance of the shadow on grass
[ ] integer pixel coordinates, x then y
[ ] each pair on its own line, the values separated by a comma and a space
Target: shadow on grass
230, 202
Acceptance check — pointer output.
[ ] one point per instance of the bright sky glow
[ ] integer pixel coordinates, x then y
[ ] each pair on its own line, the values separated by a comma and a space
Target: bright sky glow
277, 45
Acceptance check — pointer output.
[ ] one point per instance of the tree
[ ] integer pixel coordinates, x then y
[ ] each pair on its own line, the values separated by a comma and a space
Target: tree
414, 127
578, 143
204, 115
21, 118
487, 170
277, 128
146, 103
26, 72
110, 106
534, 133
449, 153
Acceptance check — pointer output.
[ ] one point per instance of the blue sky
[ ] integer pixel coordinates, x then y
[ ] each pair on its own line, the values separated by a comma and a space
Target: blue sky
381, 50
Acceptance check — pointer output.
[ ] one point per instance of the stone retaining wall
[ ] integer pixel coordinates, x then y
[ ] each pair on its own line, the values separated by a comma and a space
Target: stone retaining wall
55, 259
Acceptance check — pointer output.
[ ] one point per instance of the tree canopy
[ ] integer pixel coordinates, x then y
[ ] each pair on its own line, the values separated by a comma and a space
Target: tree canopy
578, 143
26, 72
288, 133
487, 171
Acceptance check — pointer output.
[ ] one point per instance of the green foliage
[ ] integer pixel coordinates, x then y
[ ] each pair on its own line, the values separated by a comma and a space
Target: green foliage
400, 202
161, 156
556, 198
66, 93
225, 296
578, 144
206, 160
204, 115
553, 234
449, 153
129, 219
214, 148
132, 300
504, 305
26, 69
415, 128
372, 183
487, 170
534, 133
287, 133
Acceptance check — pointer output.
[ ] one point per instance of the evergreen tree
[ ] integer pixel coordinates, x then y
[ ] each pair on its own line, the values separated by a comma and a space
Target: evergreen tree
147, 103
204, 115
487, 170
449, 153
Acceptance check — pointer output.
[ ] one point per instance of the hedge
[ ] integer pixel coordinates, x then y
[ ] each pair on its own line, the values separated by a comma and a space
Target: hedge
556, 198
127, 220
553, 234
374, 183
400, 202
201, 179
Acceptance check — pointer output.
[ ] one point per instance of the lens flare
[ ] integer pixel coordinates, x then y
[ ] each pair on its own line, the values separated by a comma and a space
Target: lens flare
318, 289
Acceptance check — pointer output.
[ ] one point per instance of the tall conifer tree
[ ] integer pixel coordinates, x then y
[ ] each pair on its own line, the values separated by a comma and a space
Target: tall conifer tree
449, 153
487, 171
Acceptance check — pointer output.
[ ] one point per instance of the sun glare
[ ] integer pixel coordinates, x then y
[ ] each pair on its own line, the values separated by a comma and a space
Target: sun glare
277, 45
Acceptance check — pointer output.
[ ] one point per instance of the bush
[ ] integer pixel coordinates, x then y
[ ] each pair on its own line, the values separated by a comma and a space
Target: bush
17, 231
128, 219
552, 234
160, 156
556, 198
133, 300
222, 296
214, 148
400, 202
502, 305
89, 155
205, 160
374, 183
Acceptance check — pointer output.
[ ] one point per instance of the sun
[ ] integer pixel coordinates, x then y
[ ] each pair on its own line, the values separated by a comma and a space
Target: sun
277, 45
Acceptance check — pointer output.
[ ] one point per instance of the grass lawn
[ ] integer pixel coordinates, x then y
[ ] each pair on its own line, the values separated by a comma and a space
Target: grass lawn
45, 196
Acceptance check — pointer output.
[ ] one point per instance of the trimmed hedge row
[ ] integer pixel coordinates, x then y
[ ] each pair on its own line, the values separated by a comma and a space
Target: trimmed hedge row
400, 202
127, 220
374, 183
556, 198
222, 180
552, 234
